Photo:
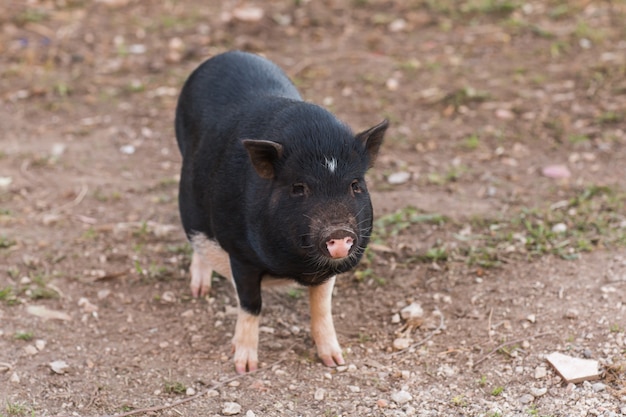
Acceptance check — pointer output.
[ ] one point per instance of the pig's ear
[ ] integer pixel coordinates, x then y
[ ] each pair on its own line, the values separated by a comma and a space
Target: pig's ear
263, 154
372, 138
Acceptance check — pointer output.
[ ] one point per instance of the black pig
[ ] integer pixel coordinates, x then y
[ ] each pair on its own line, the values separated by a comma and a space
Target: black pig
271, 187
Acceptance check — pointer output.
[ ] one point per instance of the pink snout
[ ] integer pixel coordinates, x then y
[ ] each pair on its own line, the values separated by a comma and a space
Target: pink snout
339, 248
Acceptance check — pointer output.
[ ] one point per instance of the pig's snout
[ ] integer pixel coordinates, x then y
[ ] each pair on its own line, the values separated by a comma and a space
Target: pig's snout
338, 242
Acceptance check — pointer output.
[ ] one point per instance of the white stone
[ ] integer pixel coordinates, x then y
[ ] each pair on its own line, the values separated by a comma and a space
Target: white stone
319, 394
398, 178
395, 319
248, 14
540, 372
538, 392
402, 343
59, 367
231, 409
401, 397
30, 350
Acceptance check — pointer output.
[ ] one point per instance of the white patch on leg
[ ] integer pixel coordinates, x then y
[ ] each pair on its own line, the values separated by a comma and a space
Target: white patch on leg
322, 326
207, 257
246, 342
331, 164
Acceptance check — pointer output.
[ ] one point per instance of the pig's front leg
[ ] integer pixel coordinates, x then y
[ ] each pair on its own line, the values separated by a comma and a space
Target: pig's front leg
322, 327
246, 340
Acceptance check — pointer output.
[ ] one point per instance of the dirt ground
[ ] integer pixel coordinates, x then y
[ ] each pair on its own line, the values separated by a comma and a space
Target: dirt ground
500, 196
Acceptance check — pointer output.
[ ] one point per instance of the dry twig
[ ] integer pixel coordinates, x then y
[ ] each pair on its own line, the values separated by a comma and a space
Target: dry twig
512, 342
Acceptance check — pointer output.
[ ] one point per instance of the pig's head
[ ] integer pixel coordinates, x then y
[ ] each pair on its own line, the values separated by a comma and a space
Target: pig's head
318, 213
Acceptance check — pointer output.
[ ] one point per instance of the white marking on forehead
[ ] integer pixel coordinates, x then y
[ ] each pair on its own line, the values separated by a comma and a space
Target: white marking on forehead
331, 164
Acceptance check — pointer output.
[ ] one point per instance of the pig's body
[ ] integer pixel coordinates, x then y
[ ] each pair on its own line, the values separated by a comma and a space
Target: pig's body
270, 186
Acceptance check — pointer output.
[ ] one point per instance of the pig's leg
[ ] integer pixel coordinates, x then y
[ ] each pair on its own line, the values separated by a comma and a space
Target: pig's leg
322, 327
246, 340
207, 257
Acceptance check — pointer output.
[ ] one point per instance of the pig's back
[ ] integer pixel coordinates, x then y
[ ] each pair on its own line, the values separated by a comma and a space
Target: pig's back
222, 85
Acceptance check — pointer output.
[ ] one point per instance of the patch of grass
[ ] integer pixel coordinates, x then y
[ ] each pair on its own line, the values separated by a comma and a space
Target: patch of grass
459, 400
295, 293
17, 409
177, 388
31, 16
560, 11
471, 142
610, 117
589, 219
26, 336
394, 223
5, 293
436, 254
491, 7
497, 391
465, 96
578, 138
6, 242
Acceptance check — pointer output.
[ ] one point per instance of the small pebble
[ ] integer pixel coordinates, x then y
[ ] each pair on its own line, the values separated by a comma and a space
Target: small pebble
30, 350
392, 84
319, 394
231, 409
538, 392
127, 149
382, 403
412, 311
397, 25
190, 391
58, 367
540, 372
526, 399
401, 397
402, 343
354, 388
598, 386
398, 178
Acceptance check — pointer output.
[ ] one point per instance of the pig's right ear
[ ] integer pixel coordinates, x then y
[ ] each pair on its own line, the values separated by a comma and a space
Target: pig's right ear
372, 138
263, 155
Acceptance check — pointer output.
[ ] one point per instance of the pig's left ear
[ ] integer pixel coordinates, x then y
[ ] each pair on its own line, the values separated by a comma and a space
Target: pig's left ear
263, 154
372, 138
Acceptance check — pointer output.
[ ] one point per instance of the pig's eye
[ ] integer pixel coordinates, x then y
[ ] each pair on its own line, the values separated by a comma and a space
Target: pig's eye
298, 189
356, 187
